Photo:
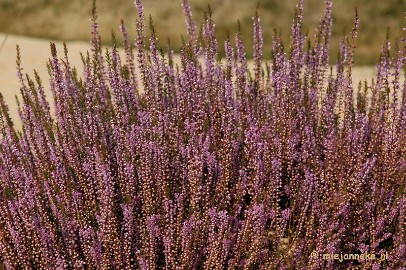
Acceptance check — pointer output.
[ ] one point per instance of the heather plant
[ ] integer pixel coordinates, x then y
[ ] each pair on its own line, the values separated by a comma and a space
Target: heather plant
209, 164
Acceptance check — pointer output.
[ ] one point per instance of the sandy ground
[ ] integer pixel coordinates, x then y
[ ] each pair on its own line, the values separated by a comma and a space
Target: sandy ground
36, 52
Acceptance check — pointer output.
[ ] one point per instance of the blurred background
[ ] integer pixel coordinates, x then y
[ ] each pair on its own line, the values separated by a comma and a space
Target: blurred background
68, 20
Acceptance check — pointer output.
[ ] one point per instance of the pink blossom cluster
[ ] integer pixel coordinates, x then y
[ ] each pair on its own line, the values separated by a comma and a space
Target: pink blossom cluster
209, 164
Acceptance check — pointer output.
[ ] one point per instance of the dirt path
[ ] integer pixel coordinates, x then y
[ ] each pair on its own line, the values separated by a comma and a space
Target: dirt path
35, 53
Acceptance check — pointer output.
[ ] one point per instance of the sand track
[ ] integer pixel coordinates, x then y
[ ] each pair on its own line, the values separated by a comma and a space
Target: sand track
36, 52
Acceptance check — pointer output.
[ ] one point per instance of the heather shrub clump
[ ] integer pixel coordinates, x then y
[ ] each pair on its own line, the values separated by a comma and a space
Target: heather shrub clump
209, 164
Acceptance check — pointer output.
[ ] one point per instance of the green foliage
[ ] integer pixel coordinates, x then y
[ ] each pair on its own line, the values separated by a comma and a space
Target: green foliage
42, 20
